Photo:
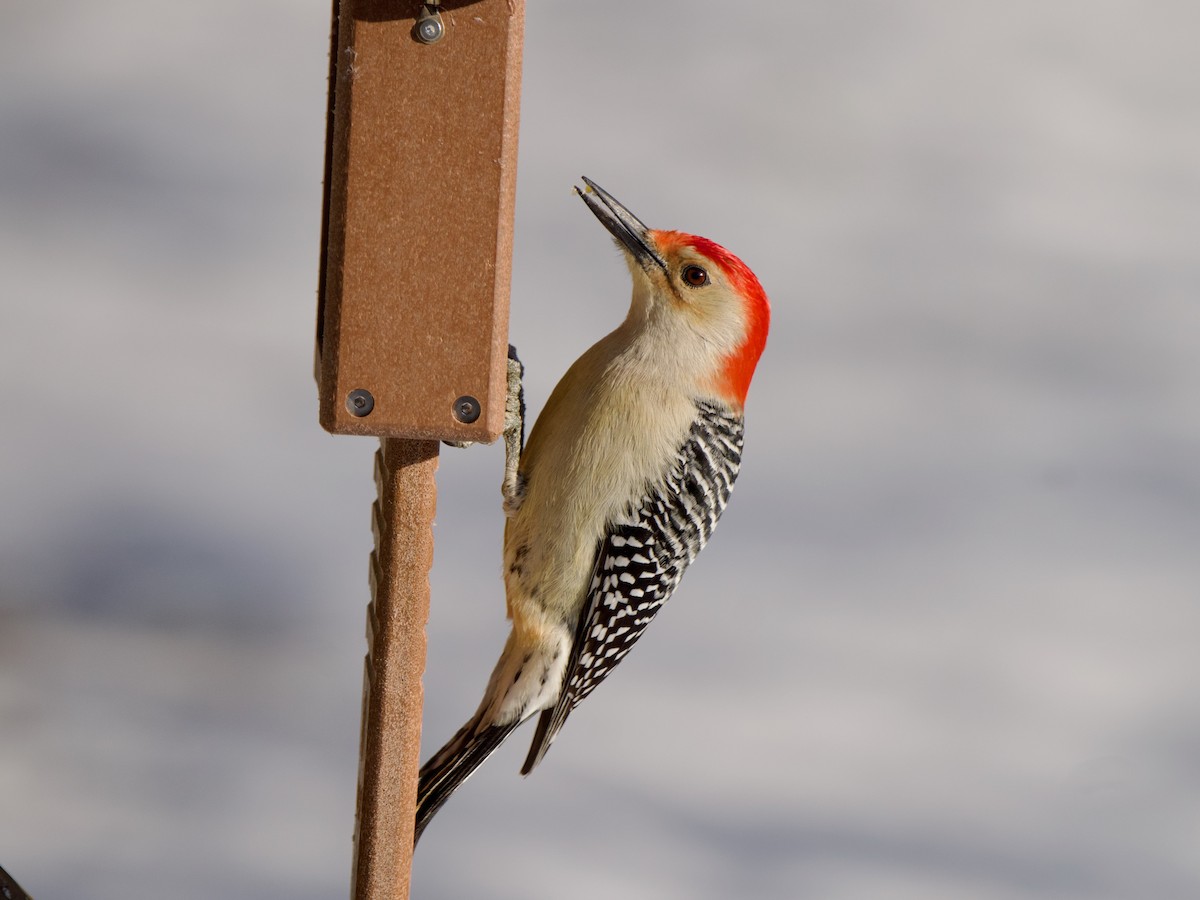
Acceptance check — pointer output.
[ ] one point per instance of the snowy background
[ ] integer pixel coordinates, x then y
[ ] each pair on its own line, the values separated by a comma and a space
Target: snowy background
962, 564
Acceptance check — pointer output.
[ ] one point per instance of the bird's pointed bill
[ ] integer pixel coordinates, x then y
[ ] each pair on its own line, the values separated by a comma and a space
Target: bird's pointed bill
624, 225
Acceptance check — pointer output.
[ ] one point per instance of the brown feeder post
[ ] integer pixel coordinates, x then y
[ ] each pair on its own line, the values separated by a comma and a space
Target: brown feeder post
412, 328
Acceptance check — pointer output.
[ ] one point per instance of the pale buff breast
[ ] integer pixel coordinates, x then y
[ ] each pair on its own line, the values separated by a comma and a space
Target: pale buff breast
577, 484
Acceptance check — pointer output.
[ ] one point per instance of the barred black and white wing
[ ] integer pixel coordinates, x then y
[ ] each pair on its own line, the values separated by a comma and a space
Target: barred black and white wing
641, 559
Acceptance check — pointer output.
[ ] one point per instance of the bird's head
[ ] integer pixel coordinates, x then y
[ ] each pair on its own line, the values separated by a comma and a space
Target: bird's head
704, 298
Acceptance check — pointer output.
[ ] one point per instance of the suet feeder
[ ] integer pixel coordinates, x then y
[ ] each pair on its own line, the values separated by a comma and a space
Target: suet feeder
412, 328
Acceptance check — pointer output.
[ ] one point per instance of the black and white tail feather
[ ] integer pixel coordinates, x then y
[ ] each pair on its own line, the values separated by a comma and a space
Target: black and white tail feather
639, 563
453, 764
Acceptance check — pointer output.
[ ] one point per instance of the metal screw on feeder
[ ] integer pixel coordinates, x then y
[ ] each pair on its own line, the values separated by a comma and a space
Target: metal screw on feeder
466, 409
429, 28
360, 403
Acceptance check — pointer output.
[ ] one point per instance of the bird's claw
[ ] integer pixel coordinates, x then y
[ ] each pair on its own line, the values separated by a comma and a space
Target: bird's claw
513, 487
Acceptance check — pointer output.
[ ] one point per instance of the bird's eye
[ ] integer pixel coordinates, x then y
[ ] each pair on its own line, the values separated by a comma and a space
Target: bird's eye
695, 276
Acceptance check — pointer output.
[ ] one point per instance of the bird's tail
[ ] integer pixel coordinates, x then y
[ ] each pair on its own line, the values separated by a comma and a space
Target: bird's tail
453, 764
550, 722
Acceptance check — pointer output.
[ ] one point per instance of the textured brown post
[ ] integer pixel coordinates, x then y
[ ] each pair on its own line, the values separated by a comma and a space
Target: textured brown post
387, 776
412, 329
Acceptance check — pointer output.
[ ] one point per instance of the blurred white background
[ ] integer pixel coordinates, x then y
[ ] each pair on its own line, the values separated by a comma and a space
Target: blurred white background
944, 642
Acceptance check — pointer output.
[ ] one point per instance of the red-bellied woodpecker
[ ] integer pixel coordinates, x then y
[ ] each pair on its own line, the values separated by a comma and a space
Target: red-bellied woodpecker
622, 481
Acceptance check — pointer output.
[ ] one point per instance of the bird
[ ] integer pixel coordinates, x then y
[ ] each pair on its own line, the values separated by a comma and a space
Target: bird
621, 483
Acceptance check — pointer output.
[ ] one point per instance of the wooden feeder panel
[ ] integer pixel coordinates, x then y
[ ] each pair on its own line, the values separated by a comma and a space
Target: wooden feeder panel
419, 196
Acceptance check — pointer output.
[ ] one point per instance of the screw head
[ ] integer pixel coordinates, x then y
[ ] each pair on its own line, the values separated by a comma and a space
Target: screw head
430, 29
359, 403
466, 409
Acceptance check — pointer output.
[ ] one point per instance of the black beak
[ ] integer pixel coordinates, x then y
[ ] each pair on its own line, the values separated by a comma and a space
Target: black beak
624, 225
